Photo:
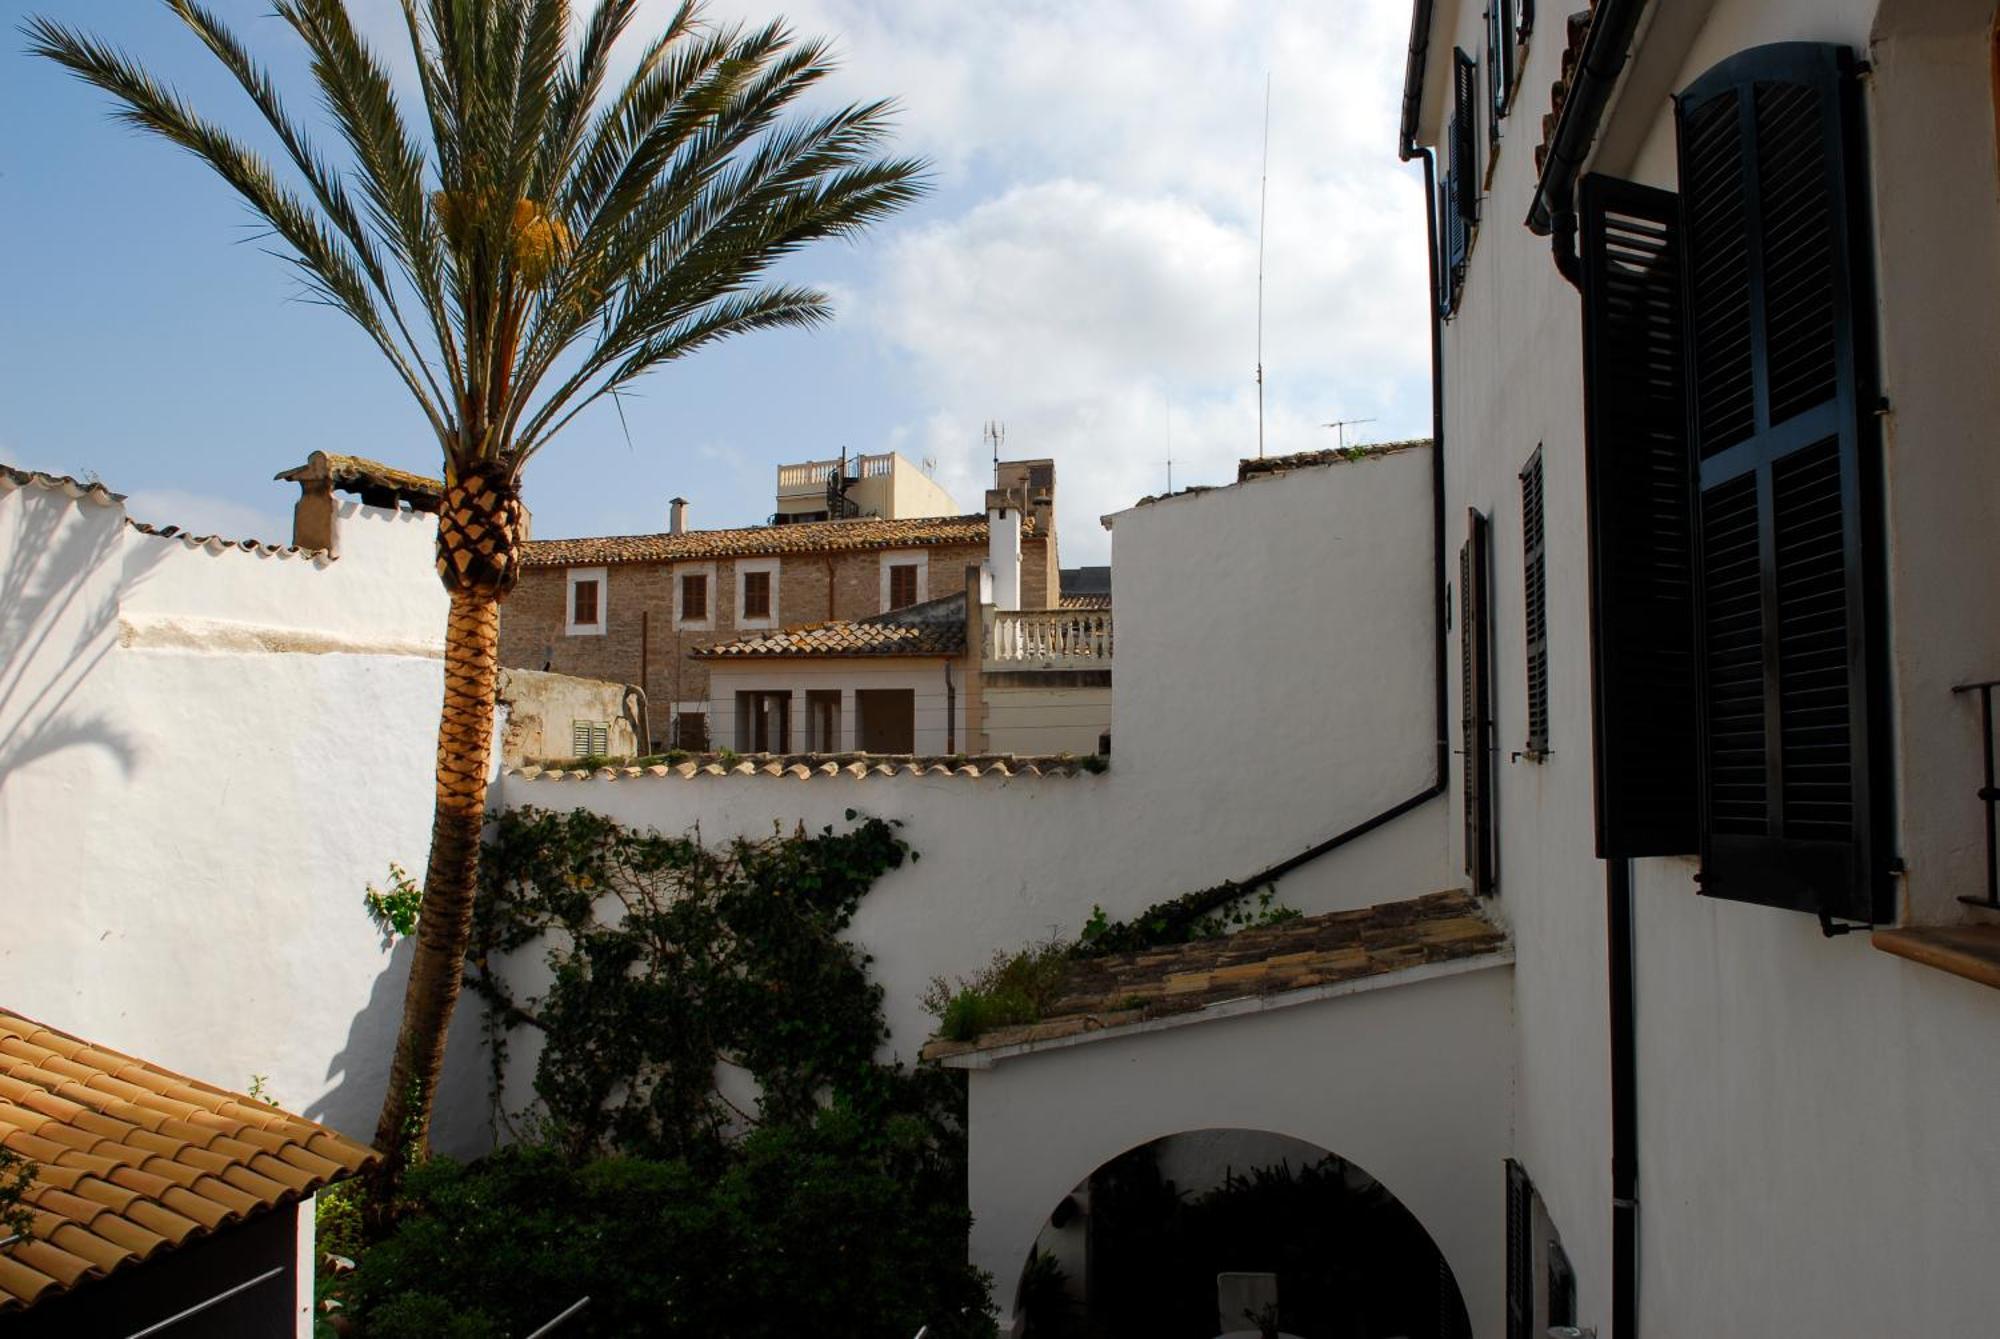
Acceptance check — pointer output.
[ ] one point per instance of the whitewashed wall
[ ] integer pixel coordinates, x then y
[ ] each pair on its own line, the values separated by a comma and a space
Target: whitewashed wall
1043, 720
1240, 740
1813, 1155
1404, 1081
206, 754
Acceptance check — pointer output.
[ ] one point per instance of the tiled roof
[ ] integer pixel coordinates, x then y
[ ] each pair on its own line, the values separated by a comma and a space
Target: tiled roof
1576, 34
12, 477
217, 544
1123, 989
133, 1160
933, 628
1298, 460
88, 491
378, 484
812, 766
1091, 601
763, 540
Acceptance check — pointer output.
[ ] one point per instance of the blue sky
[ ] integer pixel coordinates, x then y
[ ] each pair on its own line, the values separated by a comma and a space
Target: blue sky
1084, 272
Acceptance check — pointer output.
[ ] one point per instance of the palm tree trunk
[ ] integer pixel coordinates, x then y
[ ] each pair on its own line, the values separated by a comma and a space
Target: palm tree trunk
465, 732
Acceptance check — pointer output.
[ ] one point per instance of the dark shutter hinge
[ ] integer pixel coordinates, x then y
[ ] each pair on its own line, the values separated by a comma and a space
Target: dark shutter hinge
1830, 927
1864, 68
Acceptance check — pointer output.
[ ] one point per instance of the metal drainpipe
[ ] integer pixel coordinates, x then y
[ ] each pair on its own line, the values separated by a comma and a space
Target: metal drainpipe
1553, 211
1624, 1103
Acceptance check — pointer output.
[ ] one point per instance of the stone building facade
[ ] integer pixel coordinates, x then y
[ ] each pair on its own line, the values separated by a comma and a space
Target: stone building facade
634, 608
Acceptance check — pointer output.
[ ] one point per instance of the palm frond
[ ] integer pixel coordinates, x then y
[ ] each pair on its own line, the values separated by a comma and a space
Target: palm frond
328, 264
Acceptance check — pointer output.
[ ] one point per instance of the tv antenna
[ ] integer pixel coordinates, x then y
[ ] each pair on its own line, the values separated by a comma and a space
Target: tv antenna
1170, 448
1263, 194
929, 466
995, 434
1341, 425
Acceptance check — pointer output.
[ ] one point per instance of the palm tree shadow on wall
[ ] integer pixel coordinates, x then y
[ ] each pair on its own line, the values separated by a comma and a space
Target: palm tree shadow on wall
59, 591
358, 1071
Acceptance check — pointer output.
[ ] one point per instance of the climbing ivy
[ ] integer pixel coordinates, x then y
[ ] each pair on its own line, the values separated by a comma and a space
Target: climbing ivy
671, 960
1208, 913
16, 1175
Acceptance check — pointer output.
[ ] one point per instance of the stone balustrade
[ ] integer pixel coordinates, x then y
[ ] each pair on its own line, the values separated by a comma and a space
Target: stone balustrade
810, 476
1050, 639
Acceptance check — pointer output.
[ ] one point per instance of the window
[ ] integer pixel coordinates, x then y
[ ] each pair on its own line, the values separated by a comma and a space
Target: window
1731, 465
1535, 602
1475, 704
1541, 1285
757, 593
691, 731
584, 602
763, 722
589, 739
902, 585
694, 597
1508, 23
1459, 200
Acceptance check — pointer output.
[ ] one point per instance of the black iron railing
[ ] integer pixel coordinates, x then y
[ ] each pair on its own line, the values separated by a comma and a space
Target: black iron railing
1988, 794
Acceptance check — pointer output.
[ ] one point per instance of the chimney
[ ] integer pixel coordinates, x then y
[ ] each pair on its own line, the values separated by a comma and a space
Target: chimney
1003, 547
677, 516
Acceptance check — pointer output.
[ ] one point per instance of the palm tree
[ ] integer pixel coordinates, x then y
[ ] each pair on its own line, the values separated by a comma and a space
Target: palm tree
534, 247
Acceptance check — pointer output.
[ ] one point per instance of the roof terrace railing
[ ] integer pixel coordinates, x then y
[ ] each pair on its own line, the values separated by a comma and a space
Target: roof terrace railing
1050, 639
809, 477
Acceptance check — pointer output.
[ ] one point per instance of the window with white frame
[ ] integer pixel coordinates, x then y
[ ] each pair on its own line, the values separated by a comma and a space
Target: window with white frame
584, 602
905, 578
757, 593
694, 596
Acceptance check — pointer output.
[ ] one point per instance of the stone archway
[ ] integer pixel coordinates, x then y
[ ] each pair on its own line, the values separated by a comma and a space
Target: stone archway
1189, 1235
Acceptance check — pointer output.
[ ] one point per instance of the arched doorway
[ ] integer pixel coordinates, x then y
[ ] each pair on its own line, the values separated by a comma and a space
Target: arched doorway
1219, 1231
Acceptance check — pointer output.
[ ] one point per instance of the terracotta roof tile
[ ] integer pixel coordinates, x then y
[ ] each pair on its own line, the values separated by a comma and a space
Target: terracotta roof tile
764, 540
133, 1158
12, 477
1298, 460
1089, 601
815, 766
1121, 989
933, 628
1576, 33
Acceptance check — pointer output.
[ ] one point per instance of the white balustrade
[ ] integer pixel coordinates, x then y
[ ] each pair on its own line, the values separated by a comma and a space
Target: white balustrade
1051, 638
810, 476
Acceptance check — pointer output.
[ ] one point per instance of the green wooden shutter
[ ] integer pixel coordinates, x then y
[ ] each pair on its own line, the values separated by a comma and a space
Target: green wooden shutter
1637, 480
1779, 364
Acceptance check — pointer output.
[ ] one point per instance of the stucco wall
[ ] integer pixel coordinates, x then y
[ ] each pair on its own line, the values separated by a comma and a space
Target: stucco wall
1407, 1082
940, 714
539, 712
1044, 720
1233, 751
205, 756
1800, 1100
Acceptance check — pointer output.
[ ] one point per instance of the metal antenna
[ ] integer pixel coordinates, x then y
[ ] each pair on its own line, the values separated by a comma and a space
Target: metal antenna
1341, 425
1263, 194
1170, 447
995, 434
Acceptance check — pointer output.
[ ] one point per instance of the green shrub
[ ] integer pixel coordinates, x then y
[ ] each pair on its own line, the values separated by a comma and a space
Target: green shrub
812, 1230
1013, 988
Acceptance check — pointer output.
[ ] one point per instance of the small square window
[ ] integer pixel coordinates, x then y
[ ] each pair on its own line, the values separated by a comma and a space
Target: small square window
694, 597
756, 595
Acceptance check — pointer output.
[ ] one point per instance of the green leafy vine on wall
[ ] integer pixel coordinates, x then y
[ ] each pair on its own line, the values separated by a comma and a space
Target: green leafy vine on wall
671, 960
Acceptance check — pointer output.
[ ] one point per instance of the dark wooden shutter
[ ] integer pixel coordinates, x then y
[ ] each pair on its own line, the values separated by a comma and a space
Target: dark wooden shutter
1535, 605
1460, 203
1781, 412
1475, 704
1637, 480
694, 597
1520, 1253
1499, 63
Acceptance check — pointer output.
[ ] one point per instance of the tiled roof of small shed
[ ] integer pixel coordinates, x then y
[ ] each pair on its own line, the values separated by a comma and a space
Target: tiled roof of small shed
133, 1160
844, 637
764, 540
1121, 989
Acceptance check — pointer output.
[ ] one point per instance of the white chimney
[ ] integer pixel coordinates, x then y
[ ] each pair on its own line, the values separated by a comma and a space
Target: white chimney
1003, 549
677, 516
